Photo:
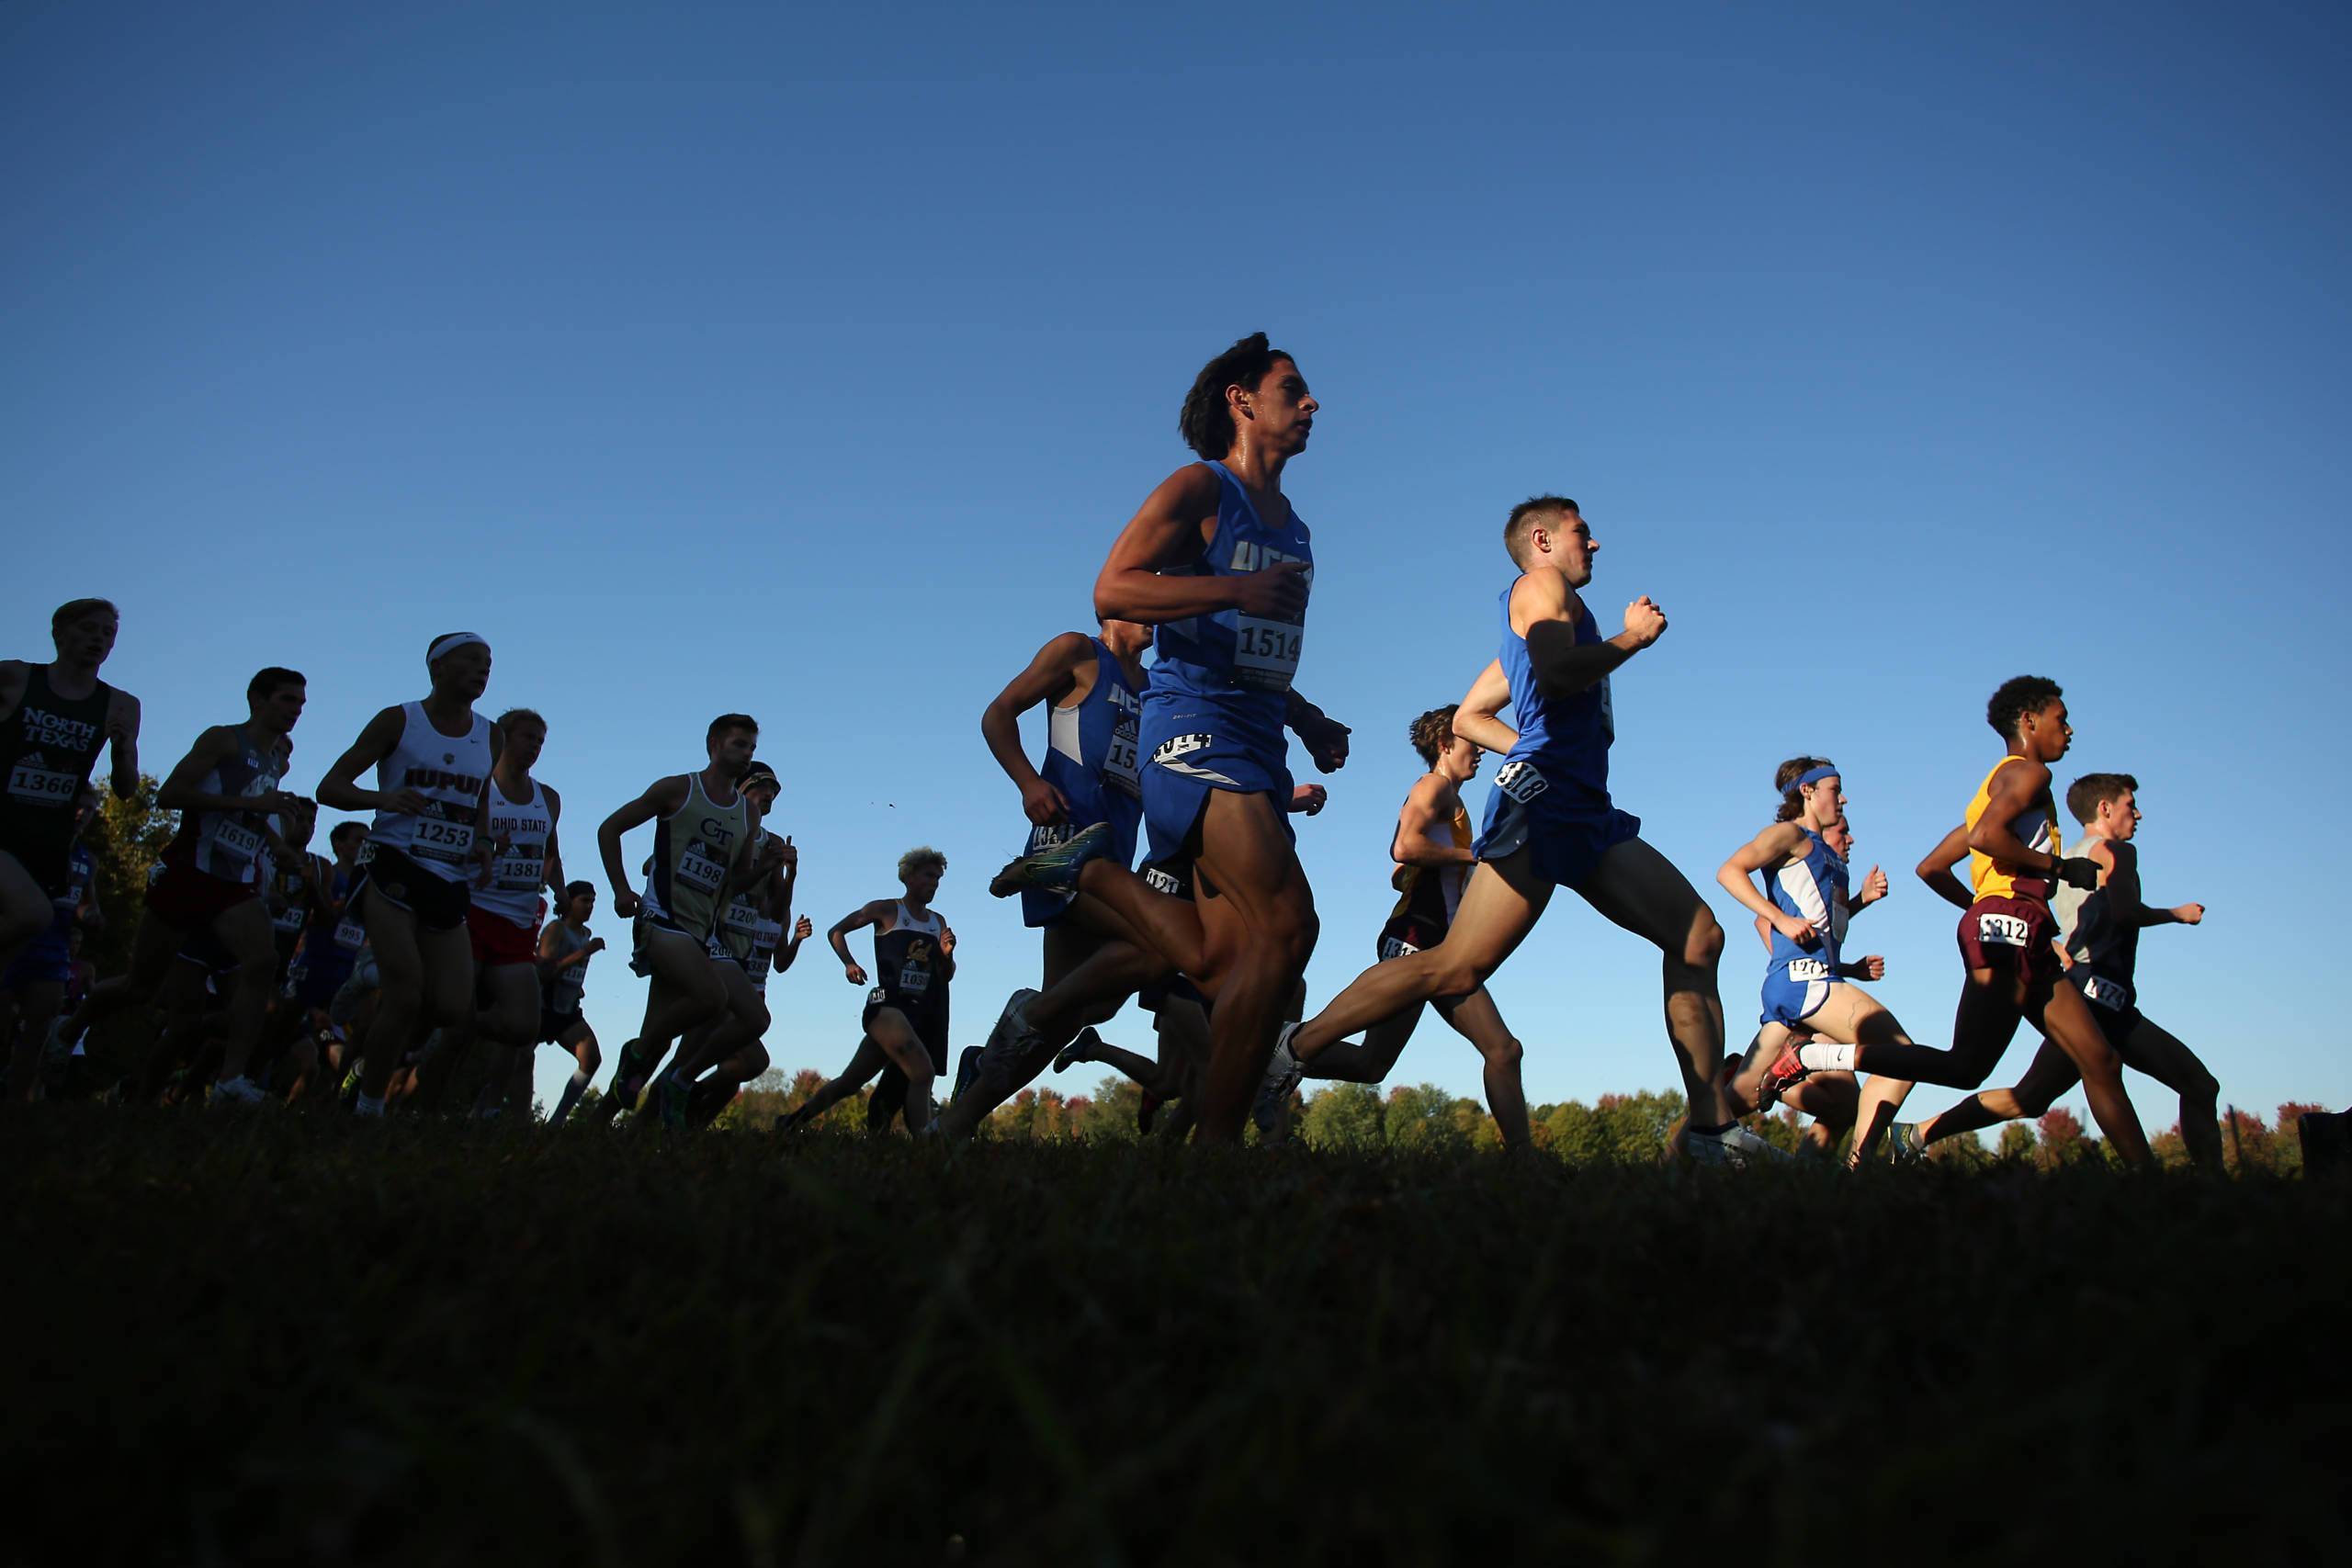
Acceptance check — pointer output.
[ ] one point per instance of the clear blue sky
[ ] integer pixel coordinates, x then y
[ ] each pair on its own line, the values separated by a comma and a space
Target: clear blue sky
806, 361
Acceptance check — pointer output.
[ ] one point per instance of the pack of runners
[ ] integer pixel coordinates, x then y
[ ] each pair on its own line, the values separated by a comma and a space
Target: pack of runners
1159, 865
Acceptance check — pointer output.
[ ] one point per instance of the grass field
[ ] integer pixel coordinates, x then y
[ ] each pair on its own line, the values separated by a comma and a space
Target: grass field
302, 1339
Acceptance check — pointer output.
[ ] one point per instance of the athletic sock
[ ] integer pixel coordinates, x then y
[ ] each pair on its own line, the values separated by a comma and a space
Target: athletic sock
1715, 1132
1822, 1057
573, 1088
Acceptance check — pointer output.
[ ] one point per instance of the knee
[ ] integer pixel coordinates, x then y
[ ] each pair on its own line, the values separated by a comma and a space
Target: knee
2203, 1091
1296, 938
757, 1019
1506, 1054
1704, 946
589, 1058
756, 1060
1457, 978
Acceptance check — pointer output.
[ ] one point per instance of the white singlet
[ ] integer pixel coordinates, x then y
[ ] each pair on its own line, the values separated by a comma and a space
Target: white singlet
449, 771
510, 889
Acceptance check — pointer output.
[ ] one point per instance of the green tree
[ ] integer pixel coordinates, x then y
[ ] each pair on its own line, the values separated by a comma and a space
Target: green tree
1110, 1111
1343, 1116
1420, 1117
1577, 1134
127, 836
2017, 1143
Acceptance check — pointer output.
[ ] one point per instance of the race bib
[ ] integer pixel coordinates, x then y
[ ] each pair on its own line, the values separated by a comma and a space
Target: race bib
1265, 653
1520, 781
1803, 970
1119, 763
350, 934
41, 786
444, 842
291, 918
2007, 931
756, 967
697, 868
1396, 947
2112, 995
914, 982
236, 840
519, 871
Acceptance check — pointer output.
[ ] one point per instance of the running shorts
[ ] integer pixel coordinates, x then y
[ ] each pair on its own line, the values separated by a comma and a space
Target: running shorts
930, 1027
554, 1026
2112, 1003
1197, 746
438, 904
1794, 991
1405, 935
2009, 936
185, 896
498, 942
1564, 838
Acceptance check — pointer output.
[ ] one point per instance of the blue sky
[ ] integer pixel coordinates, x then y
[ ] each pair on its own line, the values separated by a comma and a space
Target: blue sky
806, 361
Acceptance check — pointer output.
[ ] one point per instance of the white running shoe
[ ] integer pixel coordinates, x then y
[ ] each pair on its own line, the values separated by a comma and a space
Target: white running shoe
1284, 1070
1736, 1148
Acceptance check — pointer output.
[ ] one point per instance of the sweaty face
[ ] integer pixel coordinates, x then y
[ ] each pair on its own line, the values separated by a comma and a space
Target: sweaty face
1278, 408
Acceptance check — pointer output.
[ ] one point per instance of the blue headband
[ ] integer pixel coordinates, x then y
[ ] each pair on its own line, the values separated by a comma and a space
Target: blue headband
1813, 775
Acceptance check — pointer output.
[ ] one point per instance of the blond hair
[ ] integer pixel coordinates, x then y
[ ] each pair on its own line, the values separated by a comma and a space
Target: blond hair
922, 857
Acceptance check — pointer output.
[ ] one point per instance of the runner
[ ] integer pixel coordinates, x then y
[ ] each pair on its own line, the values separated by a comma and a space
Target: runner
54, 719
565, 948
704, 836
433, 761
503, 921
1550, 823
2015, 858
226, 790
1803, 912
33, 989
2100, 935
906, 1012
1094, 960
1220, 564
330, 947
718, 1058
1431, 849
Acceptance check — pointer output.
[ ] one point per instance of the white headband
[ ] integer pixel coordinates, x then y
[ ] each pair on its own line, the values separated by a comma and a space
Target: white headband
451, 643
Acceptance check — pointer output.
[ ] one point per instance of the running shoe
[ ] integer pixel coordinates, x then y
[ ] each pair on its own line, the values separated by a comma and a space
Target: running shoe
1736, 1148
1011, 1038
1054, 867
967, 1067
1078, 1050
234, 1092
1903, 1144
1284, 1069
707, 1099
671, 1101
1783, 1076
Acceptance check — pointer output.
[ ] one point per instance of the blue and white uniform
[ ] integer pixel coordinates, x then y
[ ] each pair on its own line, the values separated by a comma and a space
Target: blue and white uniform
49, 957
1797, 980
1091, 755
1551, 795
1213, 709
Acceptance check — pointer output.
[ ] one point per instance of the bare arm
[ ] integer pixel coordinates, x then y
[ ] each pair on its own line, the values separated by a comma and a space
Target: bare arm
215, 746
663, 797
1053, 676
123, 737
1474, 719
1422, 810
1543, 604
801, 930
339, 789
1170, 531
1768, 851
1325, 738
873, 914
2015, 792
553, 878
1936, 870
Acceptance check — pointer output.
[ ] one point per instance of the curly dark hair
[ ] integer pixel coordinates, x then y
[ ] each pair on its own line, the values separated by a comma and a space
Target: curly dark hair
1206, 423
1784, 779
1433, 732
2020, 695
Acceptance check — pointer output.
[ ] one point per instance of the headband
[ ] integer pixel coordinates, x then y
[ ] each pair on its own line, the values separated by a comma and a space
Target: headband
1812, 776
451, 643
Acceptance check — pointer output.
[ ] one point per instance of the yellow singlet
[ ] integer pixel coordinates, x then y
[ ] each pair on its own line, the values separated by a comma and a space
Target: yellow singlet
2036, 827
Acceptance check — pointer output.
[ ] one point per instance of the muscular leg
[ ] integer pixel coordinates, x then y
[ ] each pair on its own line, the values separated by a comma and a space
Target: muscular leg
744, 1020
154, 946
1499, 906
2049, 1076
686, 989
1990, 1005
426, 984
1166, 924
1637, 888
1094, 961
1257, 935
1477, 1020
1345, 1061
896, 1038
244, 929
2065, 1019
581, 1041
1852, 1016
866, 1061
2156, 1053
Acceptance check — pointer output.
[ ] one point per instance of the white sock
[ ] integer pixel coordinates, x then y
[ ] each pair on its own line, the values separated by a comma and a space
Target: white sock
573, 1088
1820, 1056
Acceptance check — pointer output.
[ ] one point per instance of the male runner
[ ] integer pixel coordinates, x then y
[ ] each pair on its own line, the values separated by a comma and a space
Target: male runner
2005, 935
717, 1056
330, 947
1550, 823
2100, 930
225, 789
1094, 960
565, 948
1431, 849
33, 989
1219, 563
433, 761
502, 918
54, 719
704, 836
906, 1012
